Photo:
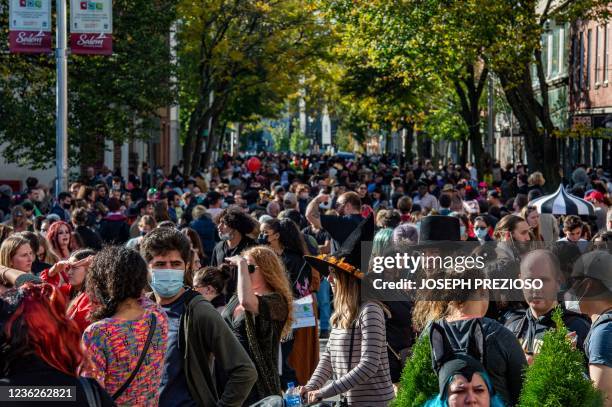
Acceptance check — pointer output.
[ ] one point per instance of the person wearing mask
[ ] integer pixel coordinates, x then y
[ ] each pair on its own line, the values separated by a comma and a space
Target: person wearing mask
210, 282
482, 228
69, 276
62, 206
85, 237
127, 342
40, 346
301, 352
145, 224
260, 314
530, 325
187, 378
234, 225
16, 253
204, 226
592, 289
113, 227
355, 362
339, 227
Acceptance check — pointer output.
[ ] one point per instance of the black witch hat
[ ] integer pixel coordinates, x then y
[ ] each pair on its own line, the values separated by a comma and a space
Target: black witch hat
348, 258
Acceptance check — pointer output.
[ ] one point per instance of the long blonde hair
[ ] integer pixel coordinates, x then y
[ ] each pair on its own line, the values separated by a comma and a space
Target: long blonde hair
50, 257
275, 275
347, 300
9, 247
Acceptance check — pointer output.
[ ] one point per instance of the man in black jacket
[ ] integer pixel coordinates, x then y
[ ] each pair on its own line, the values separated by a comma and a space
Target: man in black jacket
530, 325
196, 332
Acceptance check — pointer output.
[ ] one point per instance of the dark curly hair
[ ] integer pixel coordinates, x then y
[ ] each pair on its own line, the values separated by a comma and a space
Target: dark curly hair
236, 219
163, 240
289, 234
116, 274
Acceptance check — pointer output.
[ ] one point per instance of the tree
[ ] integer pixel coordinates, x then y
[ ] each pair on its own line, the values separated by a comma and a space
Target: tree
232, 48
434, 49
519, 27
557, 376
419, 382
113, 97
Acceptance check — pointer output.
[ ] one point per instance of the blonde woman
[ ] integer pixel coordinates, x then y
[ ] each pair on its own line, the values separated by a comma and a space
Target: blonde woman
16, 253
531, 215
355, 362
260, 314
45, 254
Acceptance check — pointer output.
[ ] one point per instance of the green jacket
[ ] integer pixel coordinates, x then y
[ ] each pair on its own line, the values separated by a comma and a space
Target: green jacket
208, 338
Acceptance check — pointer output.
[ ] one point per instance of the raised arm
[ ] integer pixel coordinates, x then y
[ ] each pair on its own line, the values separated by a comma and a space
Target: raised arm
312, 210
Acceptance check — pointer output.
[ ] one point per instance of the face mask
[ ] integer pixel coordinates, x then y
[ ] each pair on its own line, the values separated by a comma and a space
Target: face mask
481, 234
66, 206
225, 236
573, 305
143, 232
263, 239
166, 282
304, 196
461, 230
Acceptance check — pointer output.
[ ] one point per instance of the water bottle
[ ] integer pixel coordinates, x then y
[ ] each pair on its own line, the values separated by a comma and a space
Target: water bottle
292, 396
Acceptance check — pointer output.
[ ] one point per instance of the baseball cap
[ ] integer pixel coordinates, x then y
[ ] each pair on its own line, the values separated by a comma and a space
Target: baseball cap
597, 265
448, 188
594, 196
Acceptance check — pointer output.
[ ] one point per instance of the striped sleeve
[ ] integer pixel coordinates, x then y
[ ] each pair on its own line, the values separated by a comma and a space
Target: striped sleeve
322, 373
373, 343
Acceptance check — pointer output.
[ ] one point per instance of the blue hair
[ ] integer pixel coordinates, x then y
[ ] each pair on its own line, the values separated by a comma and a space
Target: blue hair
382, 240
441, 400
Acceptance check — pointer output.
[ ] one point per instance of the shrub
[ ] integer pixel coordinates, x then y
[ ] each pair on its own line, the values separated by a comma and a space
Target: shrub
557, 377
419, 382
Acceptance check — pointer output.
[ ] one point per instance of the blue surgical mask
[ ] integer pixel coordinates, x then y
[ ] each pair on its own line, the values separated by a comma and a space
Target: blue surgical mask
263, 239
481, 234
461, 230
166, 282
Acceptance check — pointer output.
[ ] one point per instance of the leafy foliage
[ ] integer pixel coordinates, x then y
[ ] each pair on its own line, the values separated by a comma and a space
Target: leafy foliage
113, 97
419, 382
557, 376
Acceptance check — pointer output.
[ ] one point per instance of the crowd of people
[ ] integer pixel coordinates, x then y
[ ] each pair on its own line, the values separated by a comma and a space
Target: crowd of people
181, 290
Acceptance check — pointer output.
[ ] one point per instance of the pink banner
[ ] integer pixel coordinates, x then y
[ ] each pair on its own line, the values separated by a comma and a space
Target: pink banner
97, 44
30, 41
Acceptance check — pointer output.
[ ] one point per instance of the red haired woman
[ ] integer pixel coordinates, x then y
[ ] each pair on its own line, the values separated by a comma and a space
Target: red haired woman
59, 237
40, 346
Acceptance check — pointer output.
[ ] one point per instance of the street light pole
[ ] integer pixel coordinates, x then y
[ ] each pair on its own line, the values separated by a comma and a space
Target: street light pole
61, 100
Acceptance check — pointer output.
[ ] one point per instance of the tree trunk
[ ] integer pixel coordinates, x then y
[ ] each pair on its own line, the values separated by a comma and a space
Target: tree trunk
408, 141
212, 143
536, 126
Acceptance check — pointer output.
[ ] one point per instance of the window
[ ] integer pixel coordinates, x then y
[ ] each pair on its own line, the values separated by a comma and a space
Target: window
581, 61
562, 53
555, 50
597, 56
606, 58
588, 58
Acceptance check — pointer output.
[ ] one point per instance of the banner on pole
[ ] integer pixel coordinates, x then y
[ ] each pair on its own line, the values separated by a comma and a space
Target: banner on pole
30, 26
91, 27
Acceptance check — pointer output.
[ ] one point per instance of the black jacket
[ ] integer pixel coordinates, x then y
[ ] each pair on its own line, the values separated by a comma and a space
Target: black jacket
504, 357
204, 334
89, 238
32, 371
114, 229
530, 330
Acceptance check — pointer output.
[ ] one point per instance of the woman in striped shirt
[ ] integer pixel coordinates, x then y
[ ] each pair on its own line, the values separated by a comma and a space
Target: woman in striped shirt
355, 361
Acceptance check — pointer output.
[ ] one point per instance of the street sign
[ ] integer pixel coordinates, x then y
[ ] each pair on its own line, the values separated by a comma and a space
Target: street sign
30, 26
91, 27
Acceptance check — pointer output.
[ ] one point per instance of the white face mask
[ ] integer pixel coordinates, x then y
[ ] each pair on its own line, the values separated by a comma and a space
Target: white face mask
573, 305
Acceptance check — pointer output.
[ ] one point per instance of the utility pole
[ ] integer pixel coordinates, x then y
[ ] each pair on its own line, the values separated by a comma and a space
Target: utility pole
490, 118
61, 100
